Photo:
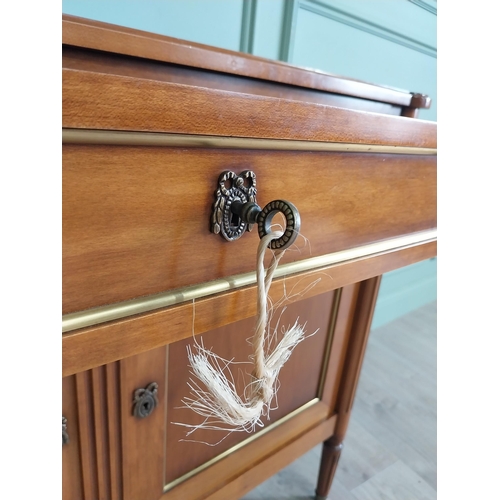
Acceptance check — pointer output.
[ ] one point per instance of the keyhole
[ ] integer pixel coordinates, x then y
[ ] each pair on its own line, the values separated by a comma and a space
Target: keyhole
235, 221
146, 406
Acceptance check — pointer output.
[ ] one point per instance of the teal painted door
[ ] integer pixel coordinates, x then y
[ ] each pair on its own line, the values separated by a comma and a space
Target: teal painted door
388, 42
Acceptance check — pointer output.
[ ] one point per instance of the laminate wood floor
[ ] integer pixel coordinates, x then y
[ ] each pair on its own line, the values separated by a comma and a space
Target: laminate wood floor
390, 448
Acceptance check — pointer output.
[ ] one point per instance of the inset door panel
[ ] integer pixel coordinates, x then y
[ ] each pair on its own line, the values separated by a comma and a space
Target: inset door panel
298, 383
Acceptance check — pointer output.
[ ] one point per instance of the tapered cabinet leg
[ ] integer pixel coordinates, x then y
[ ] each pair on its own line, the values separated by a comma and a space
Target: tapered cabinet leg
358, 339
329, 460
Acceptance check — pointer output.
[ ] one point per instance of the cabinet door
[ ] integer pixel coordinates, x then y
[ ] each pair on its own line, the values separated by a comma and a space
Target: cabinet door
115, 454
112, 454
299, 382
72, 480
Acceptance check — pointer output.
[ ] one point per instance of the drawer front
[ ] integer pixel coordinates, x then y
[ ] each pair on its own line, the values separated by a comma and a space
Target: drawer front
136, 219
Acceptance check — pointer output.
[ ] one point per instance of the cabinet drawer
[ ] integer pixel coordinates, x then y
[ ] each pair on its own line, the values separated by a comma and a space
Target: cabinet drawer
136, 219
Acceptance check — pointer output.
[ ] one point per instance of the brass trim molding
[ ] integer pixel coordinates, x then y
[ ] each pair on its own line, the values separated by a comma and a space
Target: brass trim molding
236, 447
329, 341
118, 138
97, 315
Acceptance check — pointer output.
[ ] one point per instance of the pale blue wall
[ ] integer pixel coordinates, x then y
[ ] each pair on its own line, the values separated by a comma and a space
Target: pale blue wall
388, 42
404, 290
214, 22
330, 36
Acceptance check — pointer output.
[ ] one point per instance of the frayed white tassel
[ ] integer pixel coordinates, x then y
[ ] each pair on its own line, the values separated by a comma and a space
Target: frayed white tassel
219, 403
280, 355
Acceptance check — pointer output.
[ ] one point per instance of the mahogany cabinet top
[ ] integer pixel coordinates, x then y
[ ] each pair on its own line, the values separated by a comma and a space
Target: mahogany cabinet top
84, 33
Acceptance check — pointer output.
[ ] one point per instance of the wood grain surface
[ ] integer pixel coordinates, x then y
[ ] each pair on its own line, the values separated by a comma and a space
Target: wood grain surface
98, 345
136, 223
390, 446
105, 406
72, 481
143, 439
298, 380
136, 219
100, 101
342, 326
359, 330
281, 458
116, 64
90, 34
94, 397
233, 467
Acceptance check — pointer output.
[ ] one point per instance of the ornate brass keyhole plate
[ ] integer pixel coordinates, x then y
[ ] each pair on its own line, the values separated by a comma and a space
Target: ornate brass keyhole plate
145, 400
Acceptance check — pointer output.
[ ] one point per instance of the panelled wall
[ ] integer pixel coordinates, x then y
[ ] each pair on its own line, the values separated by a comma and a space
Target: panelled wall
387, 42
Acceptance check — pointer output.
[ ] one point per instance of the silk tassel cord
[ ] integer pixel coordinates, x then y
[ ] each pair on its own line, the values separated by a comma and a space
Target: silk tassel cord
219, 403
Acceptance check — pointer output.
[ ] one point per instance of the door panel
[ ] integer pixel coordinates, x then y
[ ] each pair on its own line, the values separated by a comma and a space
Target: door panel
298, 380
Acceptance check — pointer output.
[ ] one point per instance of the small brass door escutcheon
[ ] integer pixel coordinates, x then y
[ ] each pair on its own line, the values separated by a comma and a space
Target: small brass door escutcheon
65, 435
145, 400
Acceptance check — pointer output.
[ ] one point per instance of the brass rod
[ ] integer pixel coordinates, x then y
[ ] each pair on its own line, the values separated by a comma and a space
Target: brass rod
120, 138
329, 341
97, 315
240, 445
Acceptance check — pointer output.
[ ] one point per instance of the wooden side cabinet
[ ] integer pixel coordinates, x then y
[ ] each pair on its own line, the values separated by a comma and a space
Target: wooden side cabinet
149, 124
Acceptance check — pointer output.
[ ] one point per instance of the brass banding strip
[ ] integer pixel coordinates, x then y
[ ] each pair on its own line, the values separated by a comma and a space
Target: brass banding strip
119, 138
102, 314
236, 447
329, 341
